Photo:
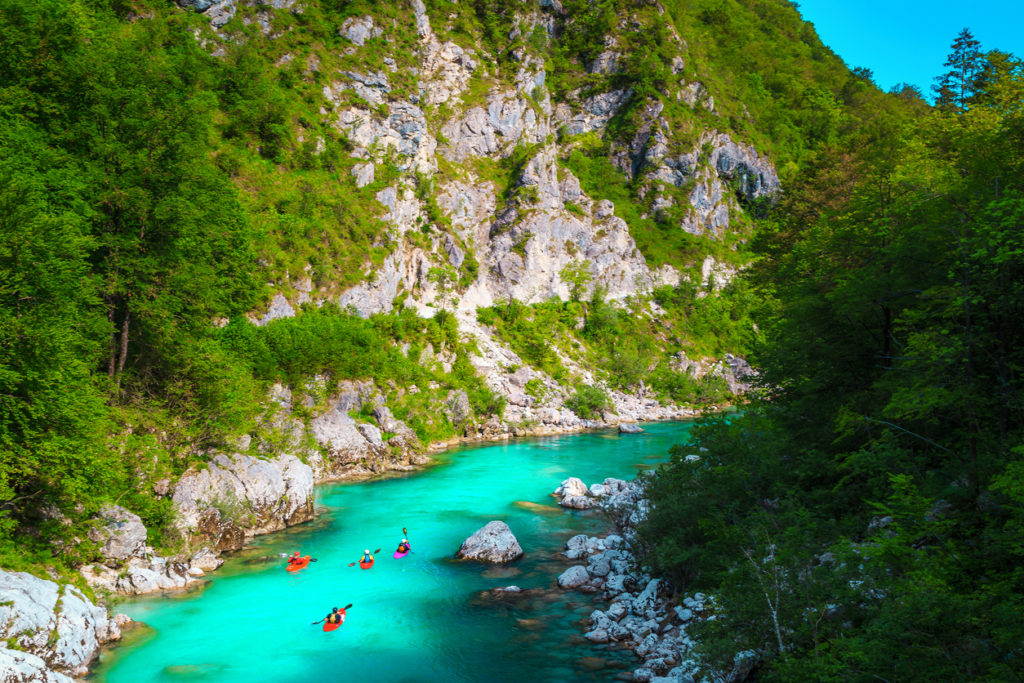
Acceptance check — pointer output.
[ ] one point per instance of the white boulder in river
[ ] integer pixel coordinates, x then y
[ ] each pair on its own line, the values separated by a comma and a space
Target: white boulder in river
493, 543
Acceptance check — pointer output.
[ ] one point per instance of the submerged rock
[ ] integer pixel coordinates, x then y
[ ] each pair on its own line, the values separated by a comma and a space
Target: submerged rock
493, 543
630, 428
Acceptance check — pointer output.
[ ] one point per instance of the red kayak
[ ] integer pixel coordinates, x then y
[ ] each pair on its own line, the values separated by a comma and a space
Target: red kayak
328, 626
298, 564
366, 565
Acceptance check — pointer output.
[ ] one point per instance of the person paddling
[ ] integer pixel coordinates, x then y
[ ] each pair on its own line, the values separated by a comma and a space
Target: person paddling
367, 559
403, 547
294, 558
337, 616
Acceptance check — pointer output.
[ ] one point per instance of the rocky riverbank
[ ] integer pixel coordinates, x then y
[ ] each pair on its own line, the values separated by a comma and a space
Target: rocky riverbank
644, 614
49, 632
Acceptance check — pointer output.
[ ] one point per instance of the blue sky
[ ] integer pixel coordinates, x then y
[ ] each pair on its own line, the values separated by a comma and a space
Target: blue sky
908, 40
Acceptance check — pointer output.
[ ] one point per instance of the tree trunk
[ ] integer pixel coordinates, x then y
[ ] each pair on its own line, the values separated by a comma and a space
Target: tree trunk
124, 342
112, 350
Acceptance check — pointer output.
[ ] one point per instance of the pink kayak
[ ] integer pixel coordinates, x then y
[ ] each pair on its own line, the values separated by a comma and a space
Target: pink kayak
399, 555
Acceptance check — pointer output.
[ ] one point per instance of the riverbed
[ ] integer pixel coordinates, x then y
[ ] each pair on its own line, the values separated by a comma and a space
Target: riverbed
425, 617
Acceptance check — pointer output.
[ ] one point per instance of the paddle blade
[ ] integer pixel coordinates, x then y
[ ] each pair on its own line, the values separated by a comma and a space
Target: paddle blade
351, 564
347, 606
376, 551
404, 532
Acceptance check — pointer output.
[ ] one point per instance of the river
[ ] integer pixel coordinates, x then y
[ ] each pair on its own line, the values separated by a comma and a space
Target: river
421, 618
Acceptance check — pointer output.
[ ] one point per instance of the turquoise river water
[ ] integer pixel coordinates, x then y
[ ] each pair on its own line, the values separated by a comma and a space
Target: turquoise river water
422, 618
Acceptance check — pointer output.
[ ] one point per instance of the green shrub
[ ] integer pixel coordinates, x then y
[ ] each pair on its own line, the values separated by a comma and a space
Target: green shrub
588, 402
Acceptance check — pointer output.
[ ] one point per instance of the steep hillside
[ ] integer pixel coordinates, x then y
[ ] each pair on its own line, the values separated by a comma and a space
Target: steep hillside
247, 246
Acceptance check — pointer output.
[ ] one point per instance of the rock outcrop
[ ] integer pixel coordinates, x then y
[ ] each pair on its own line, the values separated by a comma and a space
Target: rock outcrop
234, 497
48, 632
121, 535
493, 543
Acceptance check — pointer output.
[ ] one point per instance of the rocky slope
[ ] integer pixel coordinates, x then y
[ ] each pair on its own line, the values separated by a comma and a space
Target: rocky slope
438, 114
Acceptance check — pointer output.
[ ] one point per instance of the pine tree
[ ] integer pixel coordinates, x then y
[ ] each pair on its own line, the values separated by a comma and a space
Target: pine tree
965, 62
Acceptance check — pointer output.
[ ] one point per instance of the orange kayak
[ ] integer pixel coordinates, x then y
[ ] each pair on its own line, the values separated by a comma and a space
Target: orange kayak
298, 564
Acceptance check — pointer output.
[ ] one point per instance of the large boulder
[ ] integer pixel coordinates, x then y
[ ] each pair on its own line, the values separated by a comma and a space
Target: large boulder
493, 543
630, 428
573, 486
573, 577
121, 534
56, 624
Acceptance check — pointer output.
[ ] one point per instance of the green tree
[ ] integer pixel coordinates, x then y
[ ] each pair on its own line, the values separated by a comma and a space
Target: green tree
577, 275
955, 88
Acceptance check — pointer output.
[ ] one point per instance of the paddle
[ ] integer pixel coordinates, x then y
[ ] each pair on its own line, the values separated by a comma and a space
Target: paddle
312, 559
405, 534
352, 564
325, 618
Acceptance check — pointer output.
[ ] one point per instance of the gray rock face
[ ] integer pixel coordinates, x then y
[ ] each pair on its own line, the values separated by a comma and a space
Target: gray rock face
359, 30
457, 407
595, 112
279, 308
24, 667
122, 535
219, 13
363, 174
348, 443
711, 176
630, 428
493, 543
259, 495
507, 120
141, 576
64, 637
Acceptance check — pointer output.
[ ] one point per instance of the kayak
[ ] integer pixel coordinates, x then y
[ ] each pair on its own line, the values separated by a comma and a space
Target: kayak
399, 555
328, 626
365, 565
300, 564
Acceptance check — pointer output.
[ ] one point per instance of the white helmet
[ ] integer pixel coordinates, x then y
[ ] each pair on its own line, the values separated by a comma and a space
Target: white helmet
367, 551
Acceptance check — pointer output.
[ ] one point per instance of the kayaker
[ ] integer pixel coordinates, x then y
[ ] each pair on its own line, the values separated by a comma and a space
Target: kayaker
336, 616
367, 557
403, 547
294, 558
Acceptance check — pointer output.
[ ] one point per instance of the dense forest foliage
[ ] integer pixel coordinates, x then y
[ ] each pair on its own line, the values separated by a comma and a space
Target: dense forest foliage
863, 520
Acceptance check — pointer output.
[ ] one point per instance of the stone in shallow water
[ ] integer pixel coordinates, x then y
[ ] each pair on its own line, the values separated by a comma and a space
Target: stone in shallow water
493, 543
592, 663
501, 572
537, 508
531, 624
